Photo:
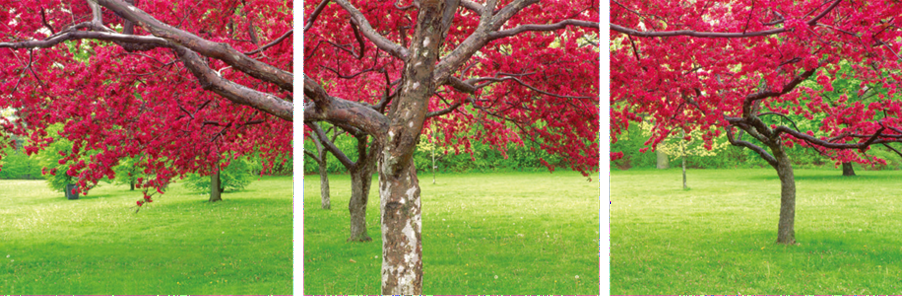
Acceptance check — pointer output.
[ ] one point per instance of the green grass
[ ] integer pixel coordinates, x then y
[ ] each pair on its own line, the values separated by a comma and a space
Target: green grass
177, 245
719, 236
535, 231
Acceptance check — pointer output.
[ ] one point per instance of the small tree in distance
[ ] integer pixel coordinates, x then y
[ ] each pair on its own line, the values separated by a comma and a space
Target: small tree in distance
683, 145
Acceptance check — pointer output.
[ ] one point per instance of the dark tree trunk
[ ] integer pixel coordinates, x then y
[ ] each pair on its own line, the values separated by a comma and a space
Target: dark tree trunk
132, 185
684, 172
215, 187
847, 169
361, 180
786, 227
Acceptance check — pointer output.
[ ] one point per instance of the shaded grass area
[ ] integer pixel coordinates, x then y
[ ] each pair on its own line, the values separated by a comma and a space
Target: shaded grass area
719, 236
178, 245
535, 231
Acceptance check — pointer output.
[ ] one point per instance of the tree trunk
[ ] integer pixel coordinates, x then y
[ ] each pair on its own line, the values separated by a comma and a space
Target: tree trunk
215, 187
361, 180
132, 184
399, 188
324, 182
663, 162
847, 169
323, 176
402, 264
683, 156
684, 172
786, 227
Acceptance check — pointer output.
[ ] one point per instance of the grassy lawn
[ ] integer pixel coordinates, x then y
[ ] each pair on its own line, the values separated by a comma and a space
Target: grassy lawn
177, 245
719, 236
535, 231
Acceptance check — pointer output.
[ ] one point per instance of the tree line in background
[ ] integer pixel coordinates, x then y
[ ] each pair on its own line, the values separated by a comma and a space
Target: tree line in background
632, 142
484, 157
45, 165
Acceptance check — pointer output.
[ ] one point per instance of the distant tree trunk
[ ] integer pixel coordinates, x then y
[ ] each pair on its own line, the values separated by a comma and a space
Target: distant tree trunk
683, 155
324, 183
684, 172
132, 185
663, 162
847, 169
215, 187
323, 176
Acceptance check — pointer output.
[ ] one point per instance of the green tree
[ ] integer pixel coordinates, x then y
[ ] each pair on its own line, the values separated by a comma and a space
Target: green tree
234, 177
57, 174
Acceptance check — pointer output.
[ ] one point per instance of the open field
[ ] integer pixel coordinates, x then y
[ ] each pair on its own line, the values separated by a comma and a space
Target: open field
719, 236
177, 245
535, 231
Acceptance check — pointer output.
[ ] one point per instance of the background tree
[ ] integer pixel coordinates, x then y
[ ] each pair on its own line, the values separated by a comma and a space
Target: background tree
683, 145
400, 65
236, 176
177, 87
321, 158
59, 173
739, 66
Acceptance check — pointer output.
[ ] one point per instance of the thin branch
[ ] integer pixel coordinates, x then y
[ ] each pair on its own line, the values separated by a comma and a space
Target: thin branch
546, 27
319, 9
693, 33
44, 21
348, 76
273, 43
493, 79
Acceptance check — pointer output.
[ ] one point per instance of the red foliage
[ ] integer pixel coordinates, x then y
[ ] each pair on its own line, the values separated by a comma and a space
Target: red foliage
710, 65
542, 85
141, 103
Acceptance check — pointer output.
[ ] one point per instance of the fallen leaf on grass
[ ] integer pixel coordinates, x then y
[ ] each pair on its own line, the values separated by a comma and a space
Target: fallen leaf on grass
353, 261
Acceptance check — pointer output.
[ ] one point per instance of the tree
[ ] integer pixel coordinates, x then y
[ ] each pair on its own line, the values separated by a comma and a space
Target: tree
177, 83
682, 146
234, 177
388, 70
320, 157
740, 66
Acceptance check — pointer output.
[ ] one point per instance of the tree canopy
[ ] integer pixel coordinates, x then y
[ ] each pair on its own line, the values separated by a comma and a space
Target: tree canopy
183, 86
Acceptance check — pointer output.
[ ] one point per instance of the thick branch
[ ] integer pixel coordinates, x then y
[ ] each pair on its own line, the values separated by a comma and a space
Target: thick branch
95, 35
221, 51
340, 112
761, 152
319, 9
213, 81
321, 136
367, 30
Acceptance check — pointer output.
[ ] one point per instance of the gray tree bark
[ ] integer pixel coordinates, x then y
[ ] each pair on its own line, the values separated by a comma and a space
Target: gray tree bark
323, 175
